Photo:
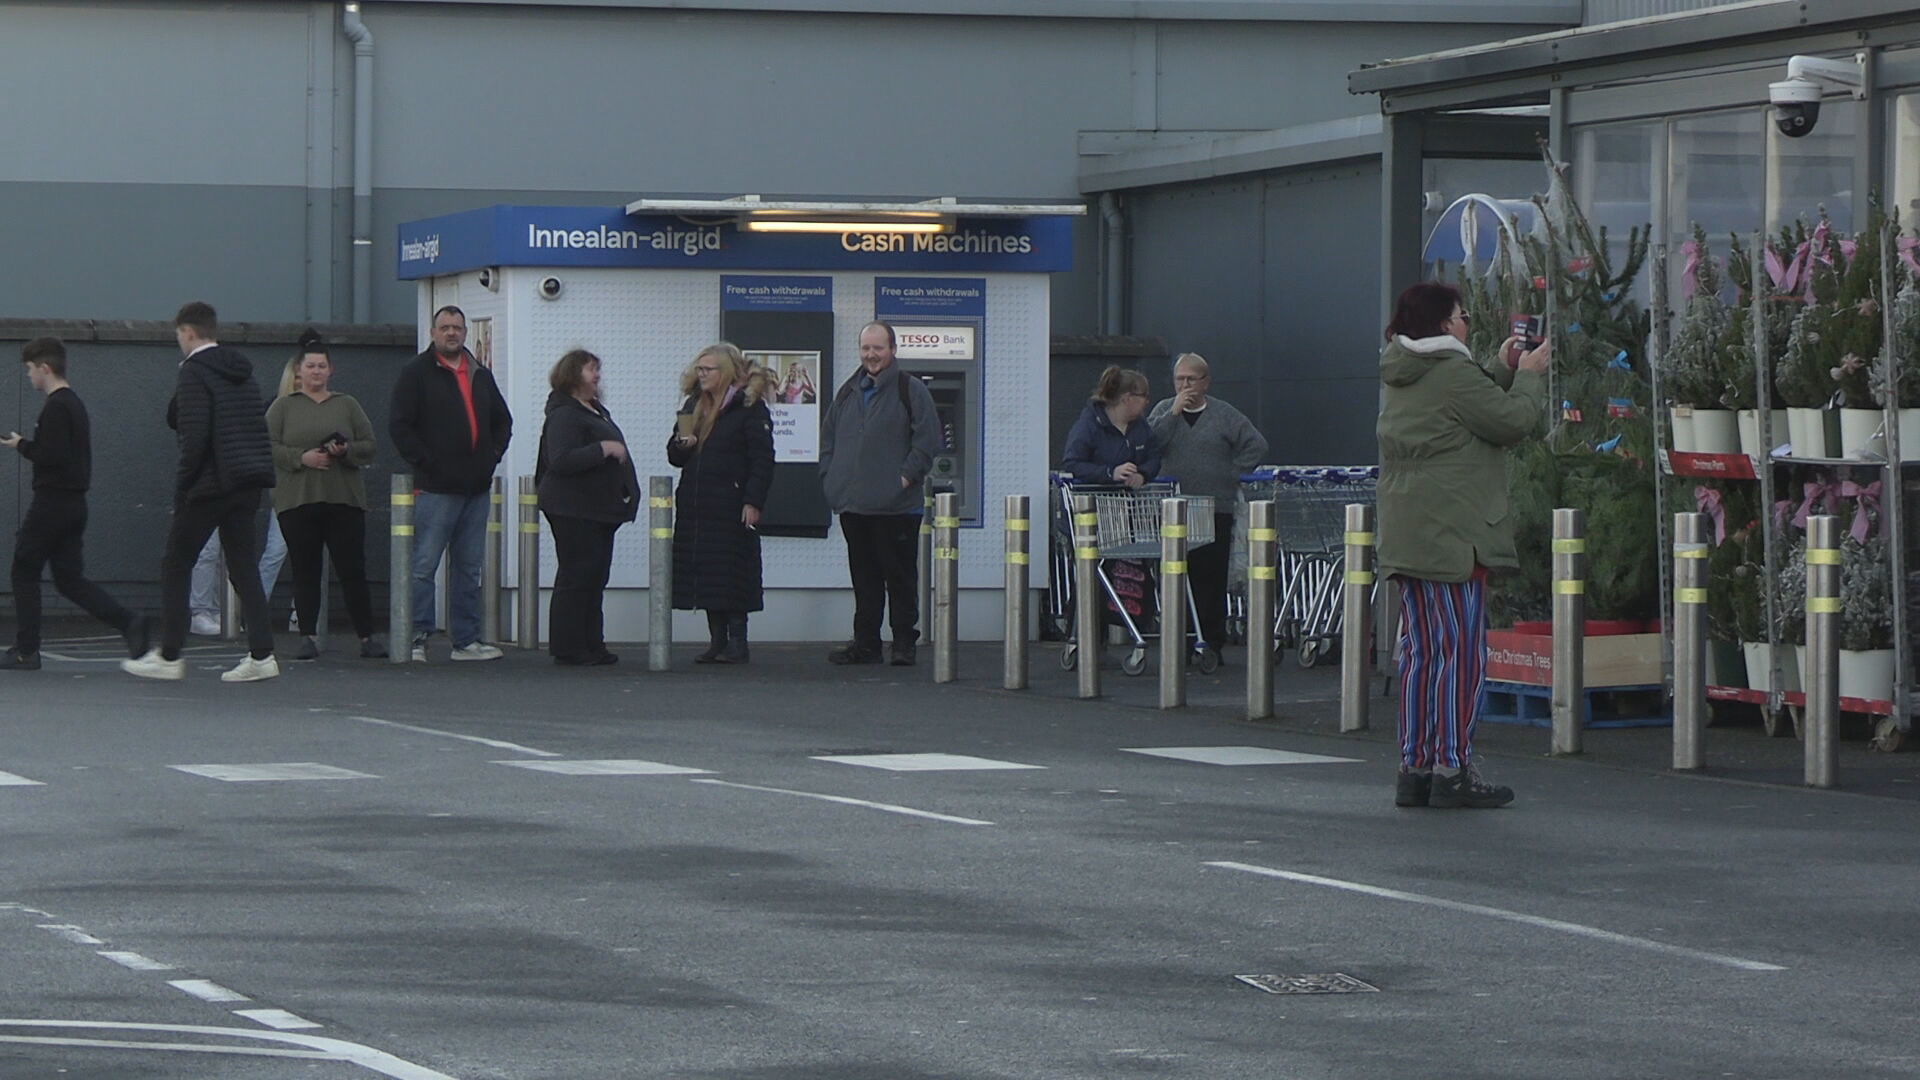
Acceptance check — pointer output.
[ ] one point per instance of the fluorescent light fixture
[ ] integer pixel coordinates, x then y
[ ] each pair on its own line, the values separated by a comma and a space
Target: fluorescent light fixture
815, 225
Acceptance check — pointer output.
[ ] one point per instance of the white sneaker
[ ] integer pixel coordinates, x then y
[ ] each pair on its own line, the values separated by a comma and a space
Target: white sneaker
251, 670
152, 666
205, 626
478, 650
419, 653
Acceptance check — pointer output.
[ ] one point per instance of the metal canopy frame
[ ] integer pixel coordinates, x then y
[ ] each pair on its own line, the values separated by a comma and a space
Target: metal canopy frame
944, 205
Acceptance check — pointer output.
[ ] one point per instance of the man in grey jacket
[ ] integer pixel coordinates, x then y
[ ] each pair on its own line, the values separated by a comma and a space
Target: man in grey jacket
1206, 444
876, 445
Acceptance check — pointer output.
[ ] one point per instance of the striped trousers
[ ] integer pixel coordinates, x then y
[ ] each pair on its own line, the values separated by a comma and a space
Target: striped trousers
1443, 664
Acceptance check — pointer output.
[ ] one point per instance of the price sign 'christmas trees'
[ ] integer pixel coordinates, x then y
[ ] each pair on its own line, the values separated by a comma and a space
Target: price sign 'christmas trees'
1598, 452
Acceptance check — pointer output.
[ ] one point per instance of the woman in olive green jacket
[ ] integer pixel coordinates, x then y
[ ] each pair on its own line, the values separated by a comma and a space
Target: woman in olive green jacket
1446, 422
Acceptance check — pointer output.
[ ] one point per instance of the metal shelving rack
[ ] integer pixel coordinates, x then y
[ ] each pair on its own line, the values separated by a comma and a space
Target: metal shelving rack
1896, 716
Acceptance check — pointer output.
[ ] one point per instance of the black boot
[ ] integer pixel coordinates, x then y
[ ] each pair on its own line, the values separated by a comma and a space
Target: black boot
717, 632
736, 650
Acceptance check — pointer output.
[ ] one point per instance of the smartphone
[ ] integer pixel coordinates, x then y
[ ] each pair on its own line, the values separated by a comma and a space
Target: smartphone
1531, 330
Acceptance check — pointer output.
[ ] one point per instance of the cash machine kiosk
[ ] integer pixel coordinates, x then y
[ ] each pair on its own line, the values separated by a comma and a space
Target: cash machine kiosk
647, 285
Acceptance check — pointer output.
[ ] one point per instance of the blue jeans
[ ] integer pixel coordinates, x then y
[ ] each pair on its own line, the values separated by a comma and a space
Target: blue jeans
210, 569
456, 524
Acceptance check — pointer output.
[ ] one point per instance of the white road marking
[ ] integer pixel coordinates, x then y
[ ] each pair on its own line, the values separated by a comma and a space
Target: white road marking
8, 779
274, 770
605, 767
842, 799
71, 933
514, 748
278, 1019
198, 1048
1236, 755
207, 990
316, 1046
1560, 925
923, 762
135, 961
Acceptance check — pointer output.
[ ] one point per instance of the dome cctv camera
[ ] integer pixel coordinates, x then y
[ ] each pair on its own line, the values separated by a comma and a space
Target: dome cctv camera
549, 288
1796, 99
489, 279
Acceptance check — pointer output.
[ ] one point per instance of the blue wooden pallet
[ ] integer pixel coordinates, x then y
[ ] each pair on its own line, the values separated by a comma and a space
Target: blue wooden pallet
1523, 703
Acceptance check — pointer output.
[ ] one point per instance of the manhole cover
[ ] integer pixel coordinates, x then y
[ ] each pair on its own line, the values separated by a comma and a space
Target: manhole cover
1308, 984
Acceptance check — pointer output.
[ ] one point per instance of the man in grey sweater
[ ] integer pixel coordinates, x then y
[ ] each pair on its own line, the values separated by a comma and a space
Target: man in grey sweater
1206, 444
876, 445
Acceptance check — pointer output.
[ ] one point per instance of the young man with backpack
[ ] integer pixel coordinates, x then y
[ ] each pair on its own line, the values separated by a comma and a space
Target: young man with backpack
876, 445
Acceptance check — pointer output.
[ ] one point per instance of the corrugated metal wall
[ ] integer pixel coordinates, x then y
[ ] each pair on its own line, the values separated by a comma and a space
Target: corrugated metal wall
1606, 11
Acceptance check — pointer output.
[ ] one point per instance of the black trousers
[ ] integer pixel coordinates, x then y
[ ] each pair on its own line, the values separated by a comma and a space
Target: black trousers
583, 550
232, 517
883, 559
1207, 576
336, 529
51, 534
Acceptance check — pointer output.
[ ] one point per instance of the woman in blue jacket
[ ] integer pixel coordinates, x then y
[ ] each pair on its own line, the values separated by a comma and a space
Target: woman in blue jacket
1111, 443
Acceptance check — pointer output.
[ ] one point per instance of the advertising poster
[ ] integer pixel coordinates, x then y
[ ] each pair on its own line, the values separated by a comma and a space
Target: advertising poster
480, 342
794, 404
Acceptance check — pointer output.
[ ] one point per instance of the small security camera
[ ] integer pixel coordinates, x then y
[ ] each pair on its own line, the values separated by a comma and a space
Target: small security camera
1796, 99
550, 288
489, 279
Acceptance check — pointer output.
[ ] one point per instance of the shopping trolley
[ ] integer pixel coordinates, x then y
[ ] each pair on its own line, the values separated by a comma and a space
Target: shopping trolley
1310, 521
1127, 532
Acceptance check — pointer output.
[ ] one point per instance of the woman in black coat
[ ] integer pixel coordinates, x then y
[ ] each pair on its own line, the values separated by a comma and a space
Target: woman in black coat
587, 490
723, 445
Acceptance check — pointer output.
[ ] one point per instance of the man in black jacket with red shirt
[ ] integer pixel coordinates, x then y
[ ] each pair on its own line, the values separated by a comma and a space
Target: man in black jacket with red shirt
451, 425
61, 450
226, 461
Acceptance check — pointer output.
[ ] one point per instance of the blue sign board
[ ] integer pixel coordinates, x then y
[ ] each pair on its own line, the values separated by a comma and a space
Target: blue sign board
760, 292
929, 296
563, 236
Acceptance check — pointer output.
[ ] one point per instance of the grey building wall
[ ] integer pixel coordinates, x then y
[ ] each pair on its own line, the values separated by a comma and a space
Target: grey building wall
207, 152
1606, 11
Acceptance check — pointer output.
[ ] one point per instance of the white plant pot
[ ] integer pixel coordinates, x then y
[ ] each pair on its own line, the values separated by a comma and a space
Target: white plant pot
1682, 418
1715, 431
1860, 433
1807, 430
1910, 434
1760, 670
1867, 675
1749, 421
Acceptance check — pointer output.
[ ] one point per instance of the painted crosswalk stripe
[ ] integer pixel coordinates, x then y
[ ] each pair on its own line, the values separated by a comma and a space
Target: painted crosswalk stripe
278, 1019
207, 990
71, 933
1236, 755
135, 961
277, 770
923, 762
8, 779
605, 767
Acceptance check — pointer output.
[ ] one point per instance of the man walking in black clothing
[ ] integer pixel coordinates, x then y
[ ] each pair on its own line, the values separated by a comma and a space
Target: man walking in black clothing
226, 461
61, 450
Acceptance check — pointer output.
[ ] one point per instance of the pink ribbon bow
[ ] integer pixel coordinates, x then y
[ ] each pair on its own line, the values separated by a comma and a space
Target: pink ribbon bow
1828, 494
1796, 278
1866, 506
1907, 246
1712, 503
1690, 277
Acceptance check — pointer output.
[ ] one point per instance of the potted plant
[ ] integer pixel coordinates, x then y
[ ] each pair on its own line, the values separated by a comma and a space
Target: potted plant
1694, 367
1790, 607
1866, 619
1805, 387
1905, 350
1738, 363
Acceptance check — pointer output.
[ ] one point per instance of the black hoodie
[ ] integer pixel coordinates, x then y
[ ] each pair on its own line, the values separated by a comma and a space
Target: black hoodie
574, 475
222, 427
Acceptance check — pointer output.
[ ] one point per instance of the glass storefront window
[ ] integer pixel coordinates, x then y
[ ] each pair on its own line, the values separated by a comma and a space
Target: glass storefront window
1813, 171
1904, 157
1615, 181
1718, 175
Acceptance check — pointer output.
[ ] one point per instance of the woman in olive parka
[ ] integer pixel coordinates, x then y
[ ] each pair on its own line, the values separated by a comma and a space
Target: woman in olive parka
1446, 422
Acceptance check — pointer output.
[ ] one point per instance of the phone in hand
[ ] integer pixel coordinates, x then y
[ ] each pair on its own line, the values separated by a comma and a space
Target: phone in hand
1530, 330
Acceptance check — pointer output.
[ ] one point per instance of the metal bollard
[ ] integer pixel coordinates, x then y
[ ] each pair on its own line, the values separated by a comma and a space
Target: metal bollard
1569, 628
1689, 641
526, 601
1087, 626
1356, 627
400, 572
1822, 725
495, 563
946, 586
924, 563
1019, 528
1263, 554
1173, 603
659, 573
